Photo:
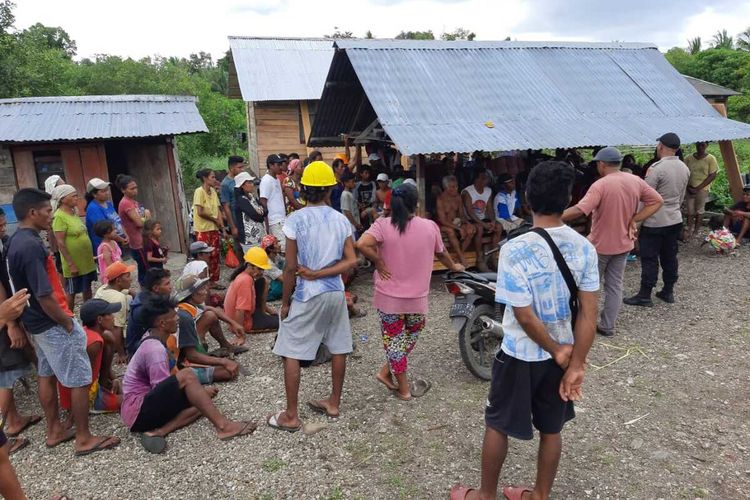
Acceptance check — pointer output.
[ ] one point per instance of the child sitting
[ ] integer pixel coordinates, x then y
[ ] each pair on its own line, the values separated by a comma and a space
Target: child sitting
154, 254
109, 251
720, 238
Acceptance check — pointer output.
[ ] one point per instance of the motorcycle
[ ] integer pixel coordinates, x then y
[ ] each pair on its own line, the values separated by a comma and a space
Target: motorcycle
475, 315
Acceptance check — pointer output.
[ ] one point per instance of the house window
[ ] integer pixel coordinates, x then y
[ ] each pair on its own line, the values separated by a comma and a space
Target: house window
47, 164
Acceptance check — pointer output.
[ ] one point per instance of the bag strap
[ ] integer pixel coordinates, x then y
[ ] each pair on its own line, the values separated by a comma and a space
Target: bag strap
561, 264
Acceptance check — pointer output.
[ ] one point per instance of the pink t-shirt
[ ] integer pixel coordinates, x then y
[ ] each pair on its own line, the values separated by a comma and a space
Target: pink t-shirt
409, 258
115, 255
614, 200
149, 366
134, 232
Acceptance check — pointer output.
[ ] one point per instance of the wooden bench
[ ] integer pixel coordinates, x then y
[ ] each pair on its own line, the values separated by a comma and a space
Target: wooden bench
470, 255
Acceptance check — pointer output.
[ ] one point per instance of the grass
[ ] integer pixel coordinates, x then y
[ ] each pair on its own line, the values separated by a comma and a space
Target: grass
335, 494
273, 465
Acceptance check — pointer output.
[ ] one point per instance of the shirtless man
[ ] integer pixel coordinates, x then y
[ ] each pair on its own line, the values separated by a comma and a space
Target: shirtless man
452, 219
384, 187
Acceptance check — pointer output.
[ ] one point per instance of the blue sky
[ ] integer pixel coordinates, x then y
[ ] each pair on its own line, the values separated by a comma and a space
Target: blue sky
139, 28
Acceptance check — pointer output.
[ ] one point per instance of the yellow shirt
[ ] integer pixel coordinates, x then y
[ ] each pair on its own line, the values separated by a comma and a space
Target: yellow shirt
700, 169
210, 204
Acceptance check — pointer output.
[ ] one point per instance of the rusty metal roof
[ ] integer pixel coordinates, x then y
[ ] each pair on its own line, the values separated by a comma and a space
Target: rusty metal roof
435, 96
278, 69
43, 119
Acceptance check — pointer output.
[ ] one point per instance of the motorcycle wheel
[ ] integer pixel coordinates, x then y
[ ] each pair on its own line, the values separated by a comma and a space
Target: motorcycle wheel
477, 349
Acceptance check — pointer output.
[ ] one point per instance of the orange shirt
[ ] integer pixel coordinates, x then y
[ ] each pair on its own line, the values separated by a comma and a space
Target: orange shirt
240, 297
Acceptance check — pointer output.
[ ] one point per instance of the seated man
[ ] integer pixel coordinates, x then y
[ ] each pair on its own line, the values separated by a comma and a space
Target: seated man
507, 204
480, 212
156, 282
452, 219
116, 291
154, 401
208, 319
246, 297
188, 350
737, 218
98, 319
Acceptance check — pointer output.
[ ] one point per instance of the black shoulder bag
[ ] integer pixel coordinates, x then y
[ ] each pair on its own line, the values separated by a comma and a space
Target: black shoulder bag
565, 271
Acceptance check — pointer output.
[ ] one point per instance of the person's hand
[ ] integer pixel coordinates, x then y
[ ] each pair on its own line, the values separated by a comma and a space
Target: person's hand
284, 312
307, 274
12, 308
238, 330
231, 366
146, 213
691, 190
17, 336
383, 271
562, 355
571, 384
457, 268
117, 386
489, 226
633, 230
212, 391
234, 231
73, 269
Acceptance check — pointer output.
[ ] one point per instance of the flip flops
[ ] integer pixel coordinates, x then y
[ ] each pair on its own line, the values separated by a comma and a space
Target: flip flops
273, 422
419, 387
246, 430
319, 408
516, 492
70, 436
31, 422
17, 444
153, 444
459, 492
114, 442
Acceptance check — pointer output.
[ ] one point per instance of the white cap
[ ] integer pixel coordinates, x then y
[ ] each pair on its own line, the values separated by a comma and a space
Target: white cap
411, 181
383, 178
96, 184
242, 178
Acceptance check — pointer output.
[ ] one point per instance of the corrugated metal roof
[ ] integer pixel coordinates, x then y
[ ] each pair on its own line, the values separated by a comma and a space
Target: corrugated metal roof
433, 96
280, 69
38, 119
709, 89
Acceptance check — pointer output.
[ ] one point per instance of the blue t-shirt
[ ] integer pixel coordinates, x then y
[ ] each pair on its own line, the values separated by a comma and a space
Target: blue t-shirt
336, 193
95, 213
320, 233
528, 276
506, 205
226, 193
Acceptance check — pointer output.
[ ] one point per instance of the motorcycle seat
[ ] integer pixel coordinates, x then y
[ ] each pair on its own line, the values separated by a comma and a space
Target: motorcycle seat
488, 276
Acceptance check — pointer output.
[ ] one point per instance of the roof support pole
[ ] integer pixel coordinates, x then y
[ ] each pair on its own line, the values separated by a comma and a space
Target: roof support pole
730, 160
422, 194
304, 109
252, 139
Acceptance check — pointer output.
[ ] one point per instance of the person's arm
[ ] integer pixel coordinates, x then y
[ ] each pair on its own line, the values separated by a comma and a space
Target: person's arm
135, 217
706, 182
60, 238
289, 276
447, 261
52, 309
347, 263
588, 203
107, 256
652, 202
235, 327
226, 210
469, 209
289, 193
368, 247
584, 333
535, 329
192, 355
10, 309
572, 213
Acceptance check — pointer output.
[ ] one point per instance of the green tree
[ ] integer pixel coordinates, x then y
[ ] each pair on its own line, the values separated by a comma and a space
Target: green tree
416, 35
681, 60
369, 35
459, 34
50, 37
743, 40
694, 45
337, 33
722, 40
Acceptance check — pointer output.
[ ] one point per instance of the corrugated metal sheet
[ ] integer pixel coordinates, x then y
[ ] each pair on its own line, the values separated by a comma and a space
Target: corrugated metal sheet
708, 89
433, 97
281, 69
37, 119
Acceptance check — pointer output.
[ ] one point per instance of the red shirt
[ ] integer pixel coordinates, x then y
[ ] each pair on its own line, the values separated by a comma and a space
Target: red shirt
134, 232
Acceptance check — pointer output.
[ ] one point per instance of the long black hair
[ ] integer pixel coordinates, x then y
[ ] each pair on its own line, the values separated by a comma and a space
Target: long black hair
122, 181
238, 271
203, 173
403, 206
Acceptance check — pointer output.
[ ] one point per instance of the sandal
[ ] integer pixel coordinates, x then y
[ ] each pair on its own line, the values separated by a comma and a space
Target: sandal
70, 436
17, 444
32, 421
319, 408
419, 387
459, 492
246, 430
153, 444
114, 442
516, 492
273, 422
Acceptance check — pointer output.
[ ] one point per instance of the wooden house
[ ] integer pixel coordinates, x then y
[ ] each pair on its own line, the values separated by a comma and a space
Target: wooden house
101, 136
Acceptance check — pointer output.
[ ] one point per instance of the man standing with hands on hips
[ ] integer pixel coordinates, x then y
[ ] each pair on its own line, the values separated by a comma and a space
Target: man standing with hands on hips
660, 232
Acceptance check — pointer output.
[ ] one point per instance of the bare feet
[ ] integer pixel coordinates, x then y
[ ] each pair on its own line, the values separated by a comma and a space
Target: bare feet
236, 429
96, 443
385, 377
59, 436
324, 407
21, 424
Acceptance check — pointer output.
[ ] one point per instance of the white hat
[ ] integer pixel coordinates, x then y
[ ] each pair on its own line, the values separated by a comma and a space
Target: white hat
242, 178
96, 184
383, 178
411, 181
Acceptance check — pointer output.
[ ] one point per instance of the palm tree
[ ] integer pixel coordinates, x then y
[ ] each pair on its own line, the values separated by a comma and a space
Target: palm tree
722, 40
694, 45
743, 40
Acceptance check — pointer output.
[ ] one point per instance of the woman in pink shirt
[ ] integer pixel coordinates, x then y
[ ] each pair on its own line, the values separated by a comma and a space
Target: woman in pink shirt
402, 247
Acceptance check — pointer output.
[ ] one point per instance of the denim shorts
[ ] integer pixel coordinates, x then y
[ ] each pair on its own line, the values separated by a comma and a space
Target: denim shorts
63, 355
79, 284
9, 378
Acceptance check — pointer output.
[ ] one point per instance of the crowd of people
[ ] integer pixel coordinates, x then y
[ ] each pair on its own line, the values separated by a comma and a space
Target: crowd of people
303, 230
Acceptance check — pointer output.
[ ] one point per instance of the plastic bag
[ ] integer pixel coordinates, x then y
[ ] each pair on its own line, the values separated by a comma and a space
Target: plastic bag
230, 259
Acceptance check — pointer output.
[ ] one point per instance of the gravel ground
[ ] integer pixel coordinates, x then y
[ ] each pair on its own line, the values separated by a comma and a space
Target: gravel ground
680, 370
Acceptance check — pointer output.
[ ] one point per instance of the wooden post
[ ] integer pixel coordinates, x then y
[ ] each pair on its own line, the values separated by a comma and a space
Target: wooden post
252, 139
422, 201
730, 159
304, 109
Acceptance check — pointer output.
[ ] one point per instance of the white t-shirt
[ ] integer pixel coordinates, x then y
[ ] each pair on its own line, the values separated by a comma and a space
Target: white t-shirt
479, 201
270, 189
528, 276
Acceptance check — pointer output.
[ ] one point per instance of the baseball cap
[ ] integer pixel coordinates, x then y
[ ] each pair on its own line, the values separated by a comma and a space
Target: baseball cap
117, 269
503, 178
670, 140
96, 184
93, 308
187, 286
274, 158
611, 154
242, 178
383, 178
200, 247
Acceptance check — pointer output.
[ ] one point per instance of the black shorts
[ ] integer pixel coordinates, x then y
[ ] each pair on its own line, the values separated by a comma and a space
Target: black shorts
162, 403
523, 393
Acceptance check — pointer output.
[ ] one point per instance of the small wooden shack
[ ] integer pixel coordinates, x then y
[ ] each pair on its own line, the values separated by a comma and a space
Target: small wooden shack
101, 136
281, 81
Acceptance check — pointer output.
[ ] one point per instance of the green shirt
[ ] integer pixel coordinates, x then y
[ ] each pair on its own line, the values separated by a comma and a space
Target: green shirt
76, 241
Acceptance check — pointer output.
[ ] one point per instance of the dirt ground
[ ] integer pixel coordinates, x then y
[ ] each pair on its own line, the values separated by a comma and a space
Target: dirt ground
666, 415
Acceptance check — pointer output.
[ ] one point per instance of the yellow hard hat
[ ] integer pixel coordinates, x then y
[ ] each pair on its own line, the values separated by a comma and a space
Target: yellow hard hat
257, 257
318, 174
342, 157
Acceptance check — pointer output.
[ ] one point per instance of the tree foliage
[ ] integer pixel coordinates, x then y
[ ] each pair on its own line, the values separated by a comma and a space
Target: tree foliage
694, 45
459, 34
722, 40
416, 35
337, 33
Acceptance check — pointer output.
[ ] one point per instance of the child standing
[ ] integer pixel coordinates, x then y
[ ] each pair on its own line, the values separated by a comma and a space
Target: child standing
109, 251
720, 238
154, 254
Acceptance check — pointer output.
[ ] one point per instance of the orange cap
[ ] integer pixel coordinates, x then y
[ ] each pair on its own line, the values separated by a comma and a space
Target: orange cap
342, 157
117, 269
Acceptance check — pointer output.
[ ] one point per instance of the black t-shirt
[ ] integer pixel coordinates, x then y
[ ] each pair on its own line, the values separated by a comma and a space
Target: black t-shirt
28, 266
365, 193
